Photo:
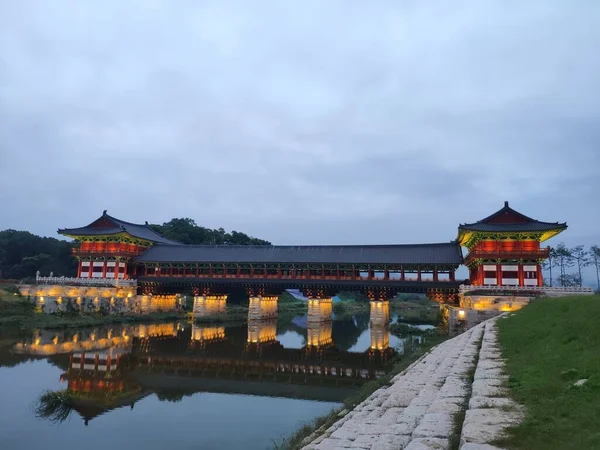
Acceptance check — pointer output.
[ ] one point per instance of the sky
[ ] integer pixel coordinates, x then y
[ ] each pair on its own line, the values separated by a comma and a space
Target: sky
301, 122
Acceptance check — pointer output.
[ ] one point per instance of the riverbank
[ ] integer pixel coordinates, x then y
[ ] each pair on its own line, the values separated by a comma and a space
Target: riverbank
550, 346
313, 429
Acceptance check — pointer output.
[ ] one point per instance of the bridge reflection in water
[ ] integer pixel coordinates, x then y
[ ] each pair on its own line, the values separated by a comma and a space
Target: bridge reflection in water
107, 368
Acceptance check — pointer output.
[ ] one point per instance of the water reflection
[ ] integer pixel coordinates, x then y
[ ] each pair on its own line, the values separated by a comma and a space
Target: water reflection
112, 367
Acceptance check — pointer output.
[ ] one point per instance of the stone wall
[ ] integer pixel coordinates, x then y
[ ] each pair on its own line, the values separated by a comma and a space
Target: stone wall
52, 299
458, 319
502, 303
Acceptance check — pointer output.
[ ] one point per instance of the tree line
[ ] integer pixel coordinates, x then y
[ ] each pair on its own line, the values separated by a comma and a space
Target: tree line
23, 253
570, 262
186, 231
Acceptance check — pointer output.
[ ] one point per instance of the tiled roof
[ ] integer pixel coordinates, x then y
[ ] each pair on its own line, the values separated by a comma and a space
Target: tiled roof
508, 227
507, 219
444, 253
119, 226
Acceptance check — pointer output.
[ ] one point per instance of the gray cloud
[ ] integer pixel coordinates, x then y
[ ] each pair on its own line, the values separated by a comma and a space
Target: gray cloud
300, 122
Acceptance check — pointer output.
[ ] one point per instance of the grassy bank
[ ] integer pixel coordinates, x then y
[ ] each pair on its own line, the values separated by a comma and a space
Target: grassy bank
549, 345
319, 424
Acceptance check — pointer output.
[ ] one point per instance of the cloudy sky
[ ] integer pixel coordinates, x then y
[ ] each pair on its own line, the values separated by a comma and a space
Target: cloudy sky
301, 121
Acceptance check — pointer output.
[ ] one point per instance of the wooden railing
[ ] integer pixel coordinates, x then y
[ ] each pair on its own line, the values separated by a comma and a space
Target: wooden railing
294, 277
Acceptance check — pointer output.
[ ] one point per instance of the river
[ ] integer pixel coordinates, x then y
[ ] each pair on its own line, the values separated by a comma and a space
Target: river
183, 386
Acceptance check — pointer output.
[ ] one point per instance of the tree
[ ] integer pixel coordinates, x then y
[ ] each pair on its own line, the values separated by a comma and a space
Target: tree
581, 259
186, 231
569, 280
595, 261
548, 263
563, 260
23, 253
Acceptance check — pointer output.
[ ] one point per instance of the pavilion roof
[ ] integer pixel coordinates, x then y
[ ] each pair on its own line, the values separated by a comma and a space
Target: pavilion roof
509, 220
442, 254
107, 225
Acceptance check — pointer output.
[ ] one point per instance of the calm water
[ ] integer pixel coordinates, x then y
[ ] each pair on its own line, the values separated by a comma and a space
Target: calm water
183, 386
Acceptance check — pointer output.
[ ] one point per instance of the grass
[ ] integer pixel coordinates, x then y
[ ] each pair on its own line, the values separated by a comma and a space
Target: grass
348, 308
549, 345
294, 441
234, 314
416, 311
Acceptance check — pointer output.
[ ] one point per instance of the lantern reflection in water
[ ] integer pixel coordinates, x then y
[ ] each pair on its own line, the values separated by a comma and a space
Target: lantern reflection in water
380, 337
202, 334
261, 331
319, 333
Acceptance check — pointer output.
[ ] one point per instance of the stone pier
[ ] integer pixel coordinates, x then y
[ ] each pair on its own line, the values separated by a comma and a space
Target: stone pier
320, 309
208, 305
419, 409
262, 307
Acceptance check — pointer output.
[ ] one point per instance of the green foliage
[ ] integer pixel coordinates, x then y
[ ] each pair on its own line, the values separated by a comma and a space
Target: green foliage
22, 254
403, 330
54, 405
549, 345
186, 231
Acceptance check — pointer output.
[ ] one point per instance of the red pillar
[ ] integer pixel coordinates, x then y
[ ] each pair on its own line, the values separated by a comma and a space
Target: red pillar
499, 274
480, 275
521, 275
540, 276
104, 269
117, 268
435, 275
79, 269
402, 275
418, 275
452, 275
90, 268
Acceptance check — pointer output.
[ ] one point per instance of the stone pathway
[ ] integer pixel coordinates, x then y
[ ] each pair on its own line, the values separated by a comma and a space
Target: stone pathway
417, 411
490, 410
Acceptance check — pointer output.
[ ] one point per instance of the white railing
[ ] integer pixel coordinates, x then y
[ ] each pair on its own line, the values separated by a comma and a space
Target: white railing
541, 290
72, 281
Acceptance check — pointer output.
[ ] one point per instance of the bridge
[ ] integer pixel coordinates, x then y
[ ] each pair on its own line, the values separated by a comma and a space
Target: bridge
379, 271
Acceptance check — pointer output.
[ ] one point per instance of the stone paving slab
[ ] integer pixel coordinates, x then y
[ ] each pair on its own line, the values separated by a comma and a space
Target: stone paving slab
416, 412
490, 412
